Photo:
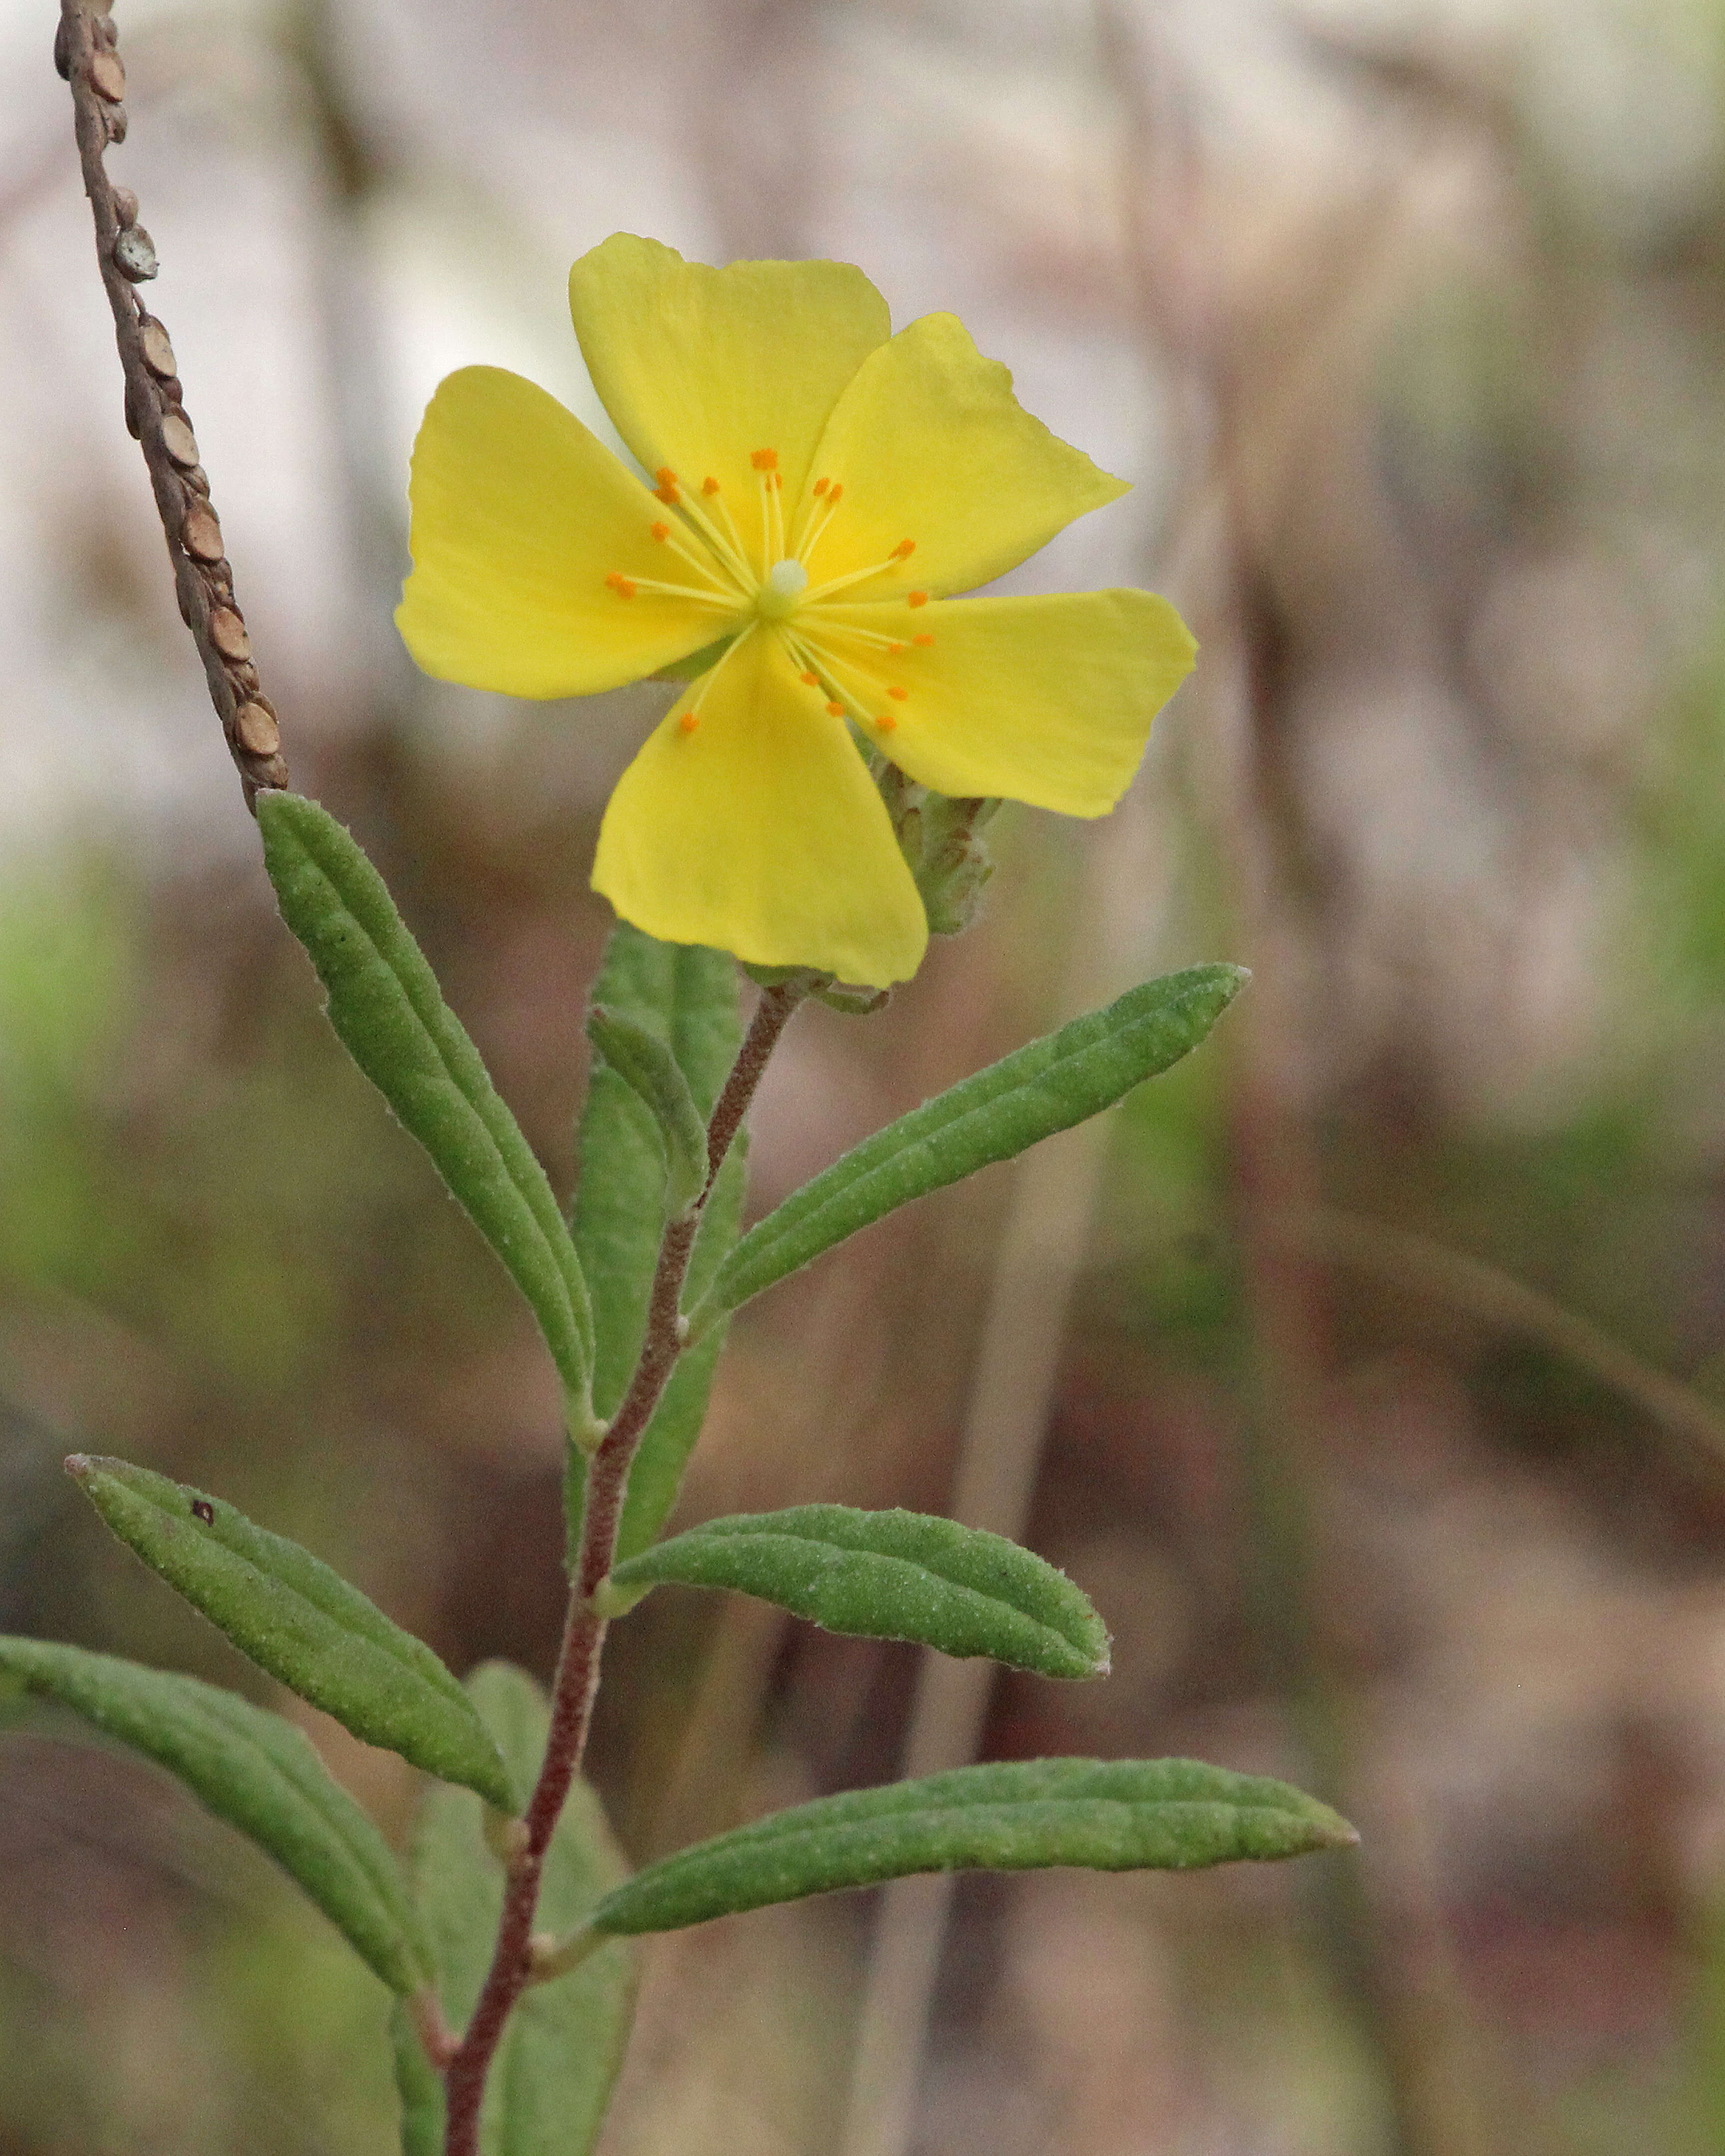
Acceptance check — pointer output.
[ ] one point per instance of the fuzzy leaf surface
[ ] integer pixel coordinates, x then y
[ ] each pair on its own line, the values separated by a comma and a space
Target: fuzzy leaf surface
253, 1770
1046, 1086
551, 2079
647, 1066
893, 1575
687, 997
385, 1003
301, 1622
1106, 1816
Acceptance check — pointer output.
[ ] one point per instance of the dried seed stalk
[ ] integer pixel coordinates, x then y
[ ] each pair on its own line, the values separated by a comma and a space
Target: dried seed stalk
84, 53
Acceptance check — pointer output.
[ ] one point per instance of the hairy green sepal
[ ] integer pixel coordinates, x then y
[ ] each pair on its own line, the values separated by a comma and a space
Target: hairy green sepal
1047, 1086
684, 997
551, 2079
893, 1575
253, 1770
385, 1003
301, 1622
1107, 1815
648, 1067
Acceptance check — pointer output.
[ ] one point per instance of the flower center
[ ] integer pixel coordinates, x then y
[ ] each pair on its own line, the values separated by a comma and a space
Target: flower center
785, 584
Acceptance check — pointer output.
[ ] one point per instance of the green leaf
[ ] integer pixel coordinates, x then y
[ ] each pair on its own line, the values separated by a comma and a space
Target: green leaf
551, 2079
670, 1436
893, 1575
255, 1771
1108, 1815
385, 1003
301, 1622
686, 997
647, 1066
420, 2086
1047, 1086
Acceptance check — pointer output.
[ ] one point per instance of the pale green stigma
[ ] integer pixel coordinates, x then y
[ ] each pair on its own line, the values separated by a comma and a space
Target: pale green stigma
777, 597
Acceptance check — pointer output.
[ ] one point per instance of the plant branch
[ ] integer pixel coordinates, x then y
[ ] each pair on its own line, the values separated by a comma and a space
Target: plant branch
577, 1675
85, 53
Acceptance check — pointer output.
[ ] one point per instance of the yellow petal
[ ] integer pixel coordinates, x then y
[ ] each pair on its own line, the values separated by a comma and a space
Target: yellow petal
518, 517
930, 444
760, 832
700, 368
1047, 701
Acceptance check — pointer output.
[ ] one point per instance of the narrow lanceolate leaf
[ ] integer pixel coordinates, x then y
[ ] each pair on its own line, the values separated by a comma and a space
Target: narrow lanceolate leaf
385, 1003
686, 997
551, 2079
653, 1074
891, 1576
253, 1770
1107, 1815
1048, 1087
301, 1622
670, 1437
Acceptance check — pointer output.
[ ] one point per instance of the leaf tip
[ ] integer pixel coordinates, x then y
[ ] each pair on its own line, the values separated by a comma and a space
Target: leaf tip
80, 1465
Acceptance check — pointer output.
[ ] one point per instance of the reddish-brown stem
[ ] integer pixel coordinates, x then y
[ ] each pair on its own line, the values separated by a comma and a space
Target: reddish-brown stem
577, 1676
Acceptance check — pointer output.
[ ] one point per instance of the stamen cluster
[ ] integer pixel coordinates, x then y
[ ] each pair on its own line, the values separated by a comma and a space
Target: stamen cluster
763, 583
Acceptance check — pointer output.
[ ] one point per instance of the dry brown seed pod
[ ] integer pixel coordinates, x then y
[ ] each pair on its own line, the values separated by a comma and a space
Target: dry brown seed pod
227, 632
178, 439
158, 352
63, 49
135, 255
134, 426
257, 730
114, 122
197, 478
126, 207
107, 76
201, 535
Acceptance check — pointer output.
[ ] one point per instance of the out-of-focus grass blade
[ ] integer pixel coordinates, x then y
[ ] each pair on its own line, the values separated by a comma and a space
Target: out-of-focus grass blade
301, 1622
1047, 1086
255, 1771
1107, 1815
893, 1575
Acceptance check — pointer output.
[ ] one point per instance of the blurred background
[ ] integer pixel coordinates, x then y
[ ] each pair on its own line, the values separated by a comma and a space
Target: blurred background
1368, 1370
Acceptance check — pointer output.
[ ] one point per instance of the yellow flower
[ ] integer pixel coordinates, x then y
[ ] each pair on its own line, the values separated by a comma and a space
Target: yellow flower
820, 486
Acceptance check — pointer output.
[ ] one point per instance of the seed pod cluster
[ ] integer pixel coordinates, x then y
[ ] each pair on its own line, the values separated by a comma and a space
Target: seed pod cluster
86, 55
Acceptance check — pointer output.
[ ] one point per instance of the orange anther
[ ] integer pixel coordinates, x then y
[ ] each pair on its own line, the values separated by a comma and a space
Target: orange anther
624, 587
708, 486
778, 481
667, 493
904, 550
764, 459
666, 476
809, 680
894, 649
886, 722
688, 722
838, 489
922, 638
837, 709
917, 598
661, 531
901, 693
822, 485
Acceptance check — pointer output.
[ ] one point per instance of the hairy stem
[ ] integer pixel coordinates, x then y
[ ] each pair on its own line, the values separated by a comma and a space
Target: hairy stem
577, 1676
